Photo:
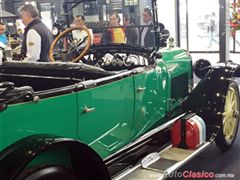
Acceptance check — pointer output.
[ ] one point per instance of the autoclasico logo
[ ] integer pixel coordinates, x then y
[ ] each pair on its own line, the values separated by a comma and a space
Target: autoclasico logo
202, 174
199, 174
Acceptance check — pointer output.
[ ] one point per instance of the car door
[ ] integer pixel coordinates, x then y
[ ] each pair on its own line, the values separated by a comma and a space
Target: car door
150, 97
105, 113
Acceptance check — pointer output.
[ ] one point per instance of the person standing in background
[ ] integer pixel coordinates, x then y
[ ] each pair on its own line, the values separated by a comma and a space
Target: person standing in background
147, 33
79, 20
3, 37
132, 33
211, 27
37, 37
115, 33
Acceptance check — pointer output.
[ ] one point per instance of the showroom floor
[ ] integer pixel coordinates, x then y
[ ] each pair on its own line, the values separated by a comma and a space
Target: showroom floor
212, 160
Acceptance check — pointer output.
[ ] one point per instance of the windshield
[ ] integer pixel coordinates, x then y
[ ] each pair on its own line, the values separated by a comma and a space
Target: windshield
115, 21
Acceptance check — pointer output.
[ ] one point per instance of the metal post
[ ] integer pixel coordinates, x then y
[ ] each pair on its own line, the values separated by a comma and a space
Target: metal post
224, 32
178, 34
187, 25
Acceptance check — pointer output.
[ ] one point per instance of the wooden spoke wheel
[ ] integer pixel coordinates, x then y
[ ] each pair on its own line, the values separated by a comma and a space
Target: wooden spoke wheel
230, 121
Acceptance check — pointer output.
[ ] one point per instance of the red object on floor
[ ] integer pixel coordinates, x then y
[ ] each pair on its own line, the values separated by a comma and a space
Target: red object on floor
192, 134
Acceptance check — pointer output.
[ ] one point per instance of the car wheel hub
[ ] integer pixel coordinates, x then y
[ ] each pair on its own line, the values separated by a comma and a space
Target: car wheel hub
230, 115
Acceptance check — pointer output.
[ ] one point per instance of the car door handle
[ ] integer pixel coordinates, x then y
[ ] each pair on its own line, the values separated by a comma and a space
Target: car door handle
88, 110
141, 89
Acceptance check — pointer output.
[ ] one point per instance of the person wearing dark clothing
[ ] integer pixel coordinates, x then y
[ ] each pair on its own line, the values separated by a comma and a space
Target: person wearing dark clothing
149, 38
132, 33
147, 33
37, 37
106, 36
164, 35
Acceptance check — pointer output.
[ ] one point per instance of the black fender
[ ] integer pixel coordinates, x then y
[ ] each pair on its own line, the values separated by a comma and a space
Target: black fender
208, 97
15, 158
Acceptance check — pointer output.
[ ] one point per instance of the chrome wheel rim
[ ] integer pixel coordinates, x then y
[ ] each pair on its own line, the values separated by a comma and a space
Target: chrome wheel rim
230, 115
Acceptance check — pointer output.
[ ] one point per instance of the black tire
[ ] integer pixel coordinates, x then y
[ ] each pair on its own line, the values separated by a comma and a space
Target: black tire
230, 118
48, 172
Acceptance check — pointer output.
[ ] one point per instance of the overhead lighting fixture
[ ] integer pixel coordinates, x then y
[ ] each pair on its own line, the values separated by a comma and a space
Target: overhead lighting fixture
31, 2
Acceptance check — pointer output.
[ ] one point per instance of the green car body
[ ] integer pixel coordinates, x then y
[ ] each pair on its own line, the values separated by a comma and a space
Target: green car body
106, 117
101, 112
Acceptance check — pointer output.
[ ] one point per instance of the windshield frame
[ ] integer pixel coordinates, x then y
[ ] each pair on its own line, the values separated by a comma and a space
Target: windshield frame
154, 25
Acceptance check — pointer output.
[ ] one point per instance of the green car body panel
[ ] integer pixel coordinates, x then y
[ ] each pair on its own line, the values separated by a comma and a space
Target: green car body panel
56, 115
108, 116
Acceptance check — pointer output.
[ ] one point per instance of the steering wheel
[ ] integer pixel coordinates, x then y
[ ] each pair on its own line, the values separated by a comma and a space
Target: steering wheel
74, 44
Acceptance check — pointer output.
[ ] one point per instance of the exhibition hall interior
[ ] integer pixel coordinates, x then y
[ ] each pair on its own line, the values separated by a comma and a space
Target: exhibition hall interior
119, 89
187, 22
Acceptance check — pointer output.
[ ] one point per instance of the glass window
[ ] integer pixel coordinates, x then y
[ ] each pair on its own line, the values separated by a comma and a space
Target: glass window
167, 15
234, 39
46, 14
203, 19
31, 2
183, 23
237, 41
131, 2
231, 45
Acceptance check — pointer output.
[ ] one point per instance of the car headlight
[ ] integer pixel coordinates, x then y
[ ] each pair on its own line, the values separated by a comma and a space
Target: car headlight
55, 31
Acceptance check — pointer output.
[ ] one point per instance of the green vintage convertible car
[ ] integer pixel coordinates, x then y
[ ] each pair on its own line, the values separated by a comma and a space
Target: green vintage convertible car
116, 112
